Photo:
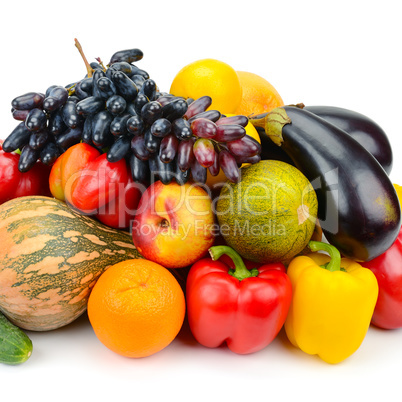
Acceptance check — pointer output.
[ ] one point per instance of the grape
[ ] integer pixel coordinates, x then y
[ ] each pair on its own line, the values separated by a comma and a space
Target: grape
204, 152
38, 139
35, 120
90, 105
106, 88
181, 129
151, 112
56, 97
161, 127
130, 109
168, 148
109, 73
151, 142
120, 110
135, 125
164, 171
116, 104
175, 109
70, 115
69, 137
215, 167
79, 92
138, 80
229, 132
198, 172
140, 101
148, 88
213, 115
101, 122
118, 126
125, 86
19, 114
229, 166
185, 154
28, 101
122, 66
199, 105
203, 128
17, 138
248, 159
139, 170
181, 176
49, 153
83, 88
86, 135
97, 75
119, 149
129, 56
137, 71
49, 89
86, 84
165, 99
139, 148
28, 158
246, 146
237, 119
56, 124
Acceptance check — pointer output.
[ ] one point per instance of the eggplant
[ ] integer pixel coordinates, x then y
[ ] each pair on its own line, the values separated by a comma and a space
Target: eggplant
268, 148
363, 129
358, 208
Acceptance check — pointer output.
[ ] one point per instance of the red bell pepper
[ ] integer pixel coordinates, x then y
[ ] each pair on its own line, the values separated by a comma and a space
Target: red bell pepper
14, 183
244, 308
88, 182
387, 268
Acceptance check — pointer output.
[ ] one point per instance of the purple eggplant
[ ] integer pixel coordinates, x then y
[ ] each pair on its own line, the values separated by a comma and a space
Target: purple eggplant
358, 207
363, 129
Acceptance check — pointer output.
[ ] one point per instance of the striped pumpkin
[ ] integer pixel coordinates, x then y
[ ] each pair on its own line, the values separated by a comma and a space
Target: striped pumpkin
50, 258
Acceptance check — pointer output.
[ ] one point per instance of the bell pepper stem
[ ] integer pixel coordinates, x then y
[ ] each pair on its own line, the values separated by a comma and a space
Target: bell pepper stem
240, 272
335, 263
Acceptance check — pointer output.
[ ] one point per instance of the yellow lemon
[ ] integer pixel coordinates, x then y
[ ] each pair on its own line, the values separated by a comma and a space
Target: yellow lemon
215, 181
209, 77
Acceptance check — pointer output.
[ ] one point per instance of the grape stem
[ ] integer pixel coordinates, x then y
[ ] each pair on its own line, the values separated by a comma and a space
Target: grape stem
99, 60
71, 90
87, 65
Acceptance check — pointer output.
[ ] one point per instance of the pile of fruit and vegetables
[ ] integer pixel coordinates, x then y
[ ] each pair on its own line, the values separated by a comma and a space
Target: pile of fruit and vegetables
212, 202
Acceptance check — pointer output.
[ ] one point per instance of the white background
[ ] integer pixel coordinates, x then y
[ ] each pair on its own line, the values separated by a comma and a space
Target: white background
346, 53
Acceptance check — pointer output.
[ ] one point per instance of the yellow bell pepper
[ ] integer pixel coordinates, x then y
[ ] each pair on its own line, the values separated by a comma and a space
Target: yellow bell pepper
398, 190
332, 305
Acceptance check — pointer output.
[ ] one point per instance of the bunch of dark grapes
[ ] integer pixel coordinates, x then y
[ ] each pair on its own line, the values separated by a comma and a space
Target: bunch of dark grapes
119, 110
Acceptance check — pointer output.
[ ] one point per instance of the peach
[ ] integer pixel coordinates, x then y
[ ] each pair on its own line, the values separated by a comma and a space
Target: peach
174, 225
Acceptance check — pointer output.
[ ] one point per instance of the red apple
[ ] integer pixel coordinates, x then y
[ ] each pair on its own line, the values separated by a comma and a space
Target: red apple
174, 225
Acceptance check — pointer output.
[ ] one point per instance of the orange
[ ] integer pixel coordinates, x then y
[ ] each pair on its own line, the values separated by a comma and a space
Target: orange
258, 95
136, 308
209, 77
216, 181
